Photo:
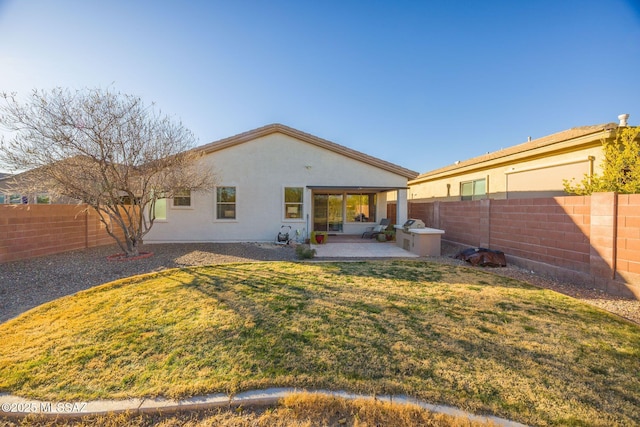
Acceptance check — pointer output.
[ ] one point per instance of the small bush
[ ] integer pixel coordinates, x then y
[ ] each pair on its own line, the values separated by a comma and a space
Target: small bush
305, 252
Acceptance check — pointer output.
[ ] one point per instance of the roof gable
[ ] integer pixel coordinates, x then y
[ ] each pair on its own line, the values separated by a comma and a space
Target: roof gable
310, 139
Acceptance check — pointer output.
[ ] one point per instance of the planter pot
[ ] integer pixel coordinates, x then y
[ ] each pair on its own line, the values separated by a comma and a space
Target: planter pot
318, 237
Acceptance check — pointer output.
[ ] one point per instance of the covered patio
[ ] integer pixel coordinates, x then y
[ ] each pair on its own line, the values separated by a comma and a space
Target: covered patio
351, 210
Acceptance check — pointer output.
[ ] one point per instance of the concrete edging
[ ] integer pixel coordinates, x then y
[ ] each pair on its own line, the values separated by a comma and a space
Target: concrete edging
17, 407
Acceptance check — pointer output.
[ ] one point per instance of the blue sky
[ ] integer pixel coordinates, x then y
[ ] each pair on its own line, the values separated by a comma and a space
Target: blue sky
418, 83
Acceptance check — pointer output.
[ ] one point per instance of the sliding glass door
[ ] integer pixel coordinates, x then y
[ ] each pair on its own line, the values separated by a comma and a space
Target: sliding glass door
327, 212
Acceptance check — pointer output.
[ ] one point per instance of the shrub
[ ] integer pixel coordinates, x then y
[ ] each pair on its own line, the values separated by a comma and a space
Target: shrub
305, 252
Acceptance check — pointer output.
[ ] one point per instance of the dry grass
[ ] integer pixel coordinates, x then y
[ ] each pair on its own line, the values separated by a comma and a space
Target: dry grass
446, 334
299, 410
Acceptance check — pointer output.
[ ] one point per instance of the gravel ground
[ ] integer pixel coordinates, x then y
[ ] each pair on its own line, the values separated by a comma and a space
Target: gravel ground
27, 284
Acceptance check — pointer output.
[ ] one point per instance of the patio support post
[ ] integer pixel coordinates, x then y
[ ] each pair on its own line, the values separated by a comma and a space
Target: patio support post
402, 207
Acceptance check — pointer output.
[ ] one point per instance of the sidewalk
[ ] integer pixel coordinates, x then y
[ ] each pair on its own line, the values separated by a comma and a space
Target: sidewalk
17, 407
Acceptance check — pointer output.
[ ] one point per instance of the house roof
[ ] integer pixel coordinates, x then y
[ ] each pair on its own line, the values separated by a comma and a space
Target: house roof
561, 140
308, 138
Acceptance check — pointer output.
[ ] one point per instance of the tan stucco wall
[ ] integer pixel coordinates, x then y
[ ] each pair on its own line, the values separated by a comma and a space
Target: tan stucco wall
260, 170
539, 176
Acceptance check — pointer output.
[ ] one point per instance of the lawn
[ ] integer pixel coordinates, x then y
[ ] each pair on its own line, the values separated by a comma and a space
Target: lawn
445, 334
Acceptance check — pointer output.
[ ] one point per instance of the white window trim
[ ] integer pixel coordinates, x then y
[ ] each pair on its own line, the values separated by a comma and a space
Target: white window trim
215, 205
473, 186
185, 208
283, 214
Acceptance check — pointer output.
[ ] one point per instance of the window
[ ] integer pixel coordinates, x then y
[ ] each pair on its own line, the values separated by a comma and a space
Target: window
1, 199
473, 190
43, 199
226, 203
328, 212
160, 209
293, 197
361, 207
182, 198
15, 199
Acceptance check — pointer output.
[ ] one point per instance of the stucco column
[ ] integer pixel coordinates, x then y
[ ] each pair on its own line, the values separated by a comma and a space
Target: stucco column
402, 207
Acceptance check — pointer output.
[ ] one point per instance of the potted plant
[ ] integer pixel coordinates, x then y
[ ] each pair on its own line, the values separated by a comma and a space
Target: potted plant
319, 237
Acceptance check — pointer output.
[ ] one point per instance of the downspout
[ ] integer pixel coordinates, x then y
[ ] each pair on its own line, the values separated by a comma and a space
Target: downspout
308, 232
591, 160
486, 186
506, 185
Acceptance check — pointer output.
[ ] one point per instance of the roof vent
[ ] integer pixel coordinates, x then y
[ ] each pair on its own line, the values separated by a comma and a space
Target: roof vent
623, 119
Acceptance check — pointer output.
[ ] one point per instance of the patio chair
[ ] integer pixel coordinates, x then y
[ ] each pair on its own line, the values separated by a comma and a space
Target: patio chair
372, 232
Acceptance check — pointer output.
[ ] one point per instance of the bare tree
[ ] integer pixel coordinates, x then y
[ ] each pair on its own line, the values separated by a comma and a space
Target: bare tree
103, 148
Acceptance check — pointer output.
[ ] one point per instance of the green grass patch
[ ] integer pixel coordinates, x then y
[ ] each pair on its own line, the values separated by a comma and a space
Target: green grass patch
446, 334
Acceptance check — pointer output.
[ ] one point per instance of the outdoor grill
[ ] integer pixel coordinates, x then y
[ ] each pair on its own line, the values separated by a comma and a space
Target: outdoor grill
414, 236
413, 223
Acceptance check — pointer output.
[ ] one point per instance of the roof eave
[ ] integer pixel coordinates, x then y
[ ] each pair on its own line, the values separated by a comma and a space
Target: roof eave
511, 154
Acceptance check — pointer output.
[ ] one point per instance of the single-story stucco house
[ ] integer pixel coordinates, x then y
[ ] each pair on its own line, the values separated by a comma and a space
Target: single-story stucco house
535, 168
277, 176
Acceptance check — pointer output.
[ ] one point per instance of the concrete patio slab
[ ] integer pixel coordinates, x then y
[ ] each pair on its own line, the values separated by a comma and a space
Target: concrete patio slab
366, 249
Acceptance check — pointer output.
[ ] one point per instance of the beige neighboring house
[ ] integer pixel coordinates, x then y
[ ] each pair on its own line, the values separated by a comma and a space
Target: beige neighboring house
277, 176
535, 168
11, 196
4, 192
8, 195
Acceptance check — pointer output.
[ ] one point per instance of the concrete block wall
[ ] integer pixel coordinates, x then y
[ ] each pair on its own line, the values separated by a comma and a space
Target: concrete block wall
628, 237
28, 231
461, 220
543, 230
592, 241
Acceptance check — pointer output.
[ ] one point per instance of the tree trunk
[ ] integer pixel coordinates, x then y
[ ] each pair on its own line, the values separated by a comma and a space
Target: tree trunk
132, 252
132, 248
